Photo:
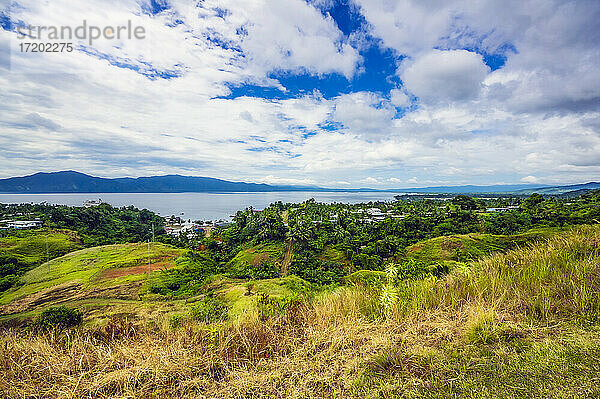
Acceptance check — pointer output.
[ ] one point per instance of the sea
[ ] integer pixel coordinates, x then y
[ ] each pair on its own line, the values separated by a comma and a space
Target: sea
198, 206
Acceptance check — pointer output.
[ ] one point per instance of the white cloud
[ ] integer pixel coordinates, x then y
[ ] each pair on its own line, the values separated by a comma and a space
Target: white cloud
399, 98
447, 76
529, 179
538, 115
289, 35
364, 113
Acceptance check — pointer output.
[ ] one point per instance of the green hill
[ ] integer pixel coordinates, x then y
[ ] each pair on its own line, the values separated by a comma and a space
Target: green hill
111, 271
467, 247
28, 248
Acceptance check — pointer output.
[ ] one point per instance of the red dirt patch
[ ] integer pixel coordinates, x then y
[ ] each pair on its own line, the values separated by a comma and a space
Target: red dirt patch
415, 248
141, 269
451, 244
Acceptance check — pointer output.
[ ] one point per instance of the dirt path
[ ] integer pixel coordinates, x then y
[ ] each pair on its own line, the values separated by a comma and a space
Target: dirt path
287, 259
69, 292
57, 293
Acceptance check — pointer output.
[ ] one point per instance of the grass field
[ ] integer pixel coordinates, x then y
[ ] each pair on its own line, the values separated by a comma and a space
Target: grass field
87, 267
523, 324
468, 247
29, 247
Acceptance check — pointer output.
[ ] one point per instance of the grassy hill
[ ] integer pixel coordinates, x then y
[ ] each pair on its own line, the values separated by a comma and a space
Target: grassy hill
28, 247
115, 279
519, 324
467, 247
88, 273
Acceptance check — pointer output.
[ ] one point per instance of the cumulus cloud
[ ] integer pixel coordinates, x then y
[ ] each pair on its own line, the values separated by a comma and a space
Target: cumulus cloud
364, 113
398, 98
447, 76
161, 105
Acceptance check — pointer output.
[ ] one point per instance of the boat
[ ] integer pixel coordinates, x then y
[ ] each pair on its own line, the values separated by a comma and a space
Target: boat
89, 203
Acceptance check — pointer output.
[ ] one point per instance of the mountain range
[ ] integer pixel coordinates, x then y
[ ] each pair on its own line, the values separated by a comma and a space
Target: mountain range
76, 182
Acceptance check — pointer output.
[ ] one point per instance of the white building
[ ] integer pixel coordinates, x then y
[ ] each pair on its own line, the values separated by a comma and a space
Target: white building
24, 224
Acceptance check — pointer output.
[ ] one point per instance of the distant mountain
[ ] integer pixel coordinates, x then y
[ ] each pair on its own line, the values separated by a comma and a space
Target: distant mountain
557, 190
470, 189
75, 182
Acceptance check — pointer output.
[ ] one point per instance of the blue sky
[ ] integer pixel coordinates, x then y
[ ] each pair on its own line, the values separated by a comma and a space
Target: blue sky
357, 93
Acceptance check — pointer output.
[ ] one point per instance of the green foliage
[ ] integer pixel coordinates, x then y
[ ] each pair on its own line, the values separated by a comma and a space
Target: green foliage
193, 271
465, 203
58, 318
269, 306
97, 225
311, 268
257, 262
209, 310
8, 281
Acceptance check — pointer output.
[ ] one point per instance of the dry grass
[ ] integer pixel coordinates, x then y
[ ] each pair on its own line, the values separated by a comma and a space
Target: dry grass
516, 325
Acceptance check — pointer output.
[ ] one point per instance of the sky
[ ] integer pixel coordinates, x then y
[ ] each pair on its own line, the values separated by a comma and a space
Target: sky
349, 93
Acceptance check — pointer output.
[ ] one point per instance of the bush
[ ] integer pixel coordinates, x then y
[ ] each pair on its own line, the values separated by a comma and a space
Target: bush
59, 317
8, 281
209, 310
194, 271
269, 306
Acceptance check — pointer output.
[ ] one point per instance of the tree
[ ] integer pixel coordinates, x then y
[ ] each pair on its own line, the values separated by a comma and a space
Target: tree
465, 202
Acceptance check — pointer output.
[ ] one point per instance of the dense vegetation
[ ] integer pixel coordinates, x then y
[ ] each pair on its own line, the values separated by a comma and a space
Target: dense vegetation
97, 225
67, 229
516, 325
331, 241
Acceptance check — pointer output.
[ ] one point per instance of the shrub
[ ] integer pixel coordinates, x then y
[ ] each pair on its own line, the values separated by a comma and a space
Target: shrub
209, 310
8, 281
269, 306
176, 320
58, 318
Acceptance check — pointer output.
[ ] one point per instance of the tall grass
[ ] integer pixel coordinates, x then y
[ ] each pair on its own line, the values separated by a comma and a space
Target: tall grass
483, 331
557, 278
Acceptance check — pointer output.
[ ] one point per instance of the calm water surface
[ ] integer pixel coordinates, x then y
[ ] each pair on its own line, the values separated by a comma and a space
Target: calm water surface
196, 206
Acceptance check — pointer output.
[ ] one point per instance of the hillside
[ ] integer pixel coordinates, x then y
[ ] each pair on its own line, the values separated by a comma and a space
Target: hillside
28, 248
466, 247
111, 271
519, 324
21, 251
558, 190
